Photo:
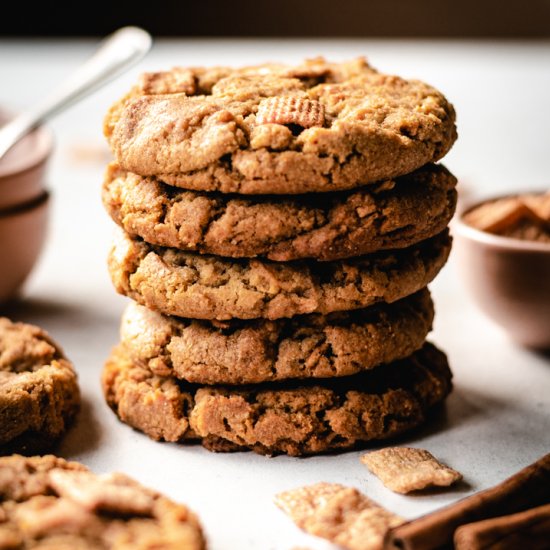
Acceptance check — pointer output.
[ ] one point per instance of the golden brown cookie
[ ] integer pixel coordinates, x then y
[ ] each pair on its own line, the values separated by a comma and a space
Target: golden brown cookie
329, 226
47, 502
298, 418
39, 395
208, 287
315, 127
248, 352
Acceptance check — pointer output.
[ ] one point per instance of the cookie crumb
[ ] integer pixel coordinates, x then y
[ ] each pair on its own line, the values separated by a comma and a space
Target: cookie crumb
404, 469
339, 514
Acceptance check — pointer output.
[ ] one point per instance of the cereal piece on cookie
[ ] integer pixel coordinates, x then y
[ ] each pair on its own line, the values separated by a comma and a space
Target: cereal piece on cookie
113, 493
404, 469
48, 502
339, 514
294, 110
178, 80
39, 395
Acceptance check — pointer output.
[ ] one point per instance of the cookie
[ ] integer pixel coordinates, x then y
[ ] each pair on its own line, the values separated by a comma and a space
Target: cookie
208, 287
248, 352
298, 418
329, 226
47, 502
278, 129
39, 395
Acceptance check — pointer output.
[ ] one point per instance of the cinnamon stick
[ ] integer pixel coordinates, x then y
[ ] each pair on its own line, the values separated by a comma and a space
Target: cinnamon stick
526, 489
529, 529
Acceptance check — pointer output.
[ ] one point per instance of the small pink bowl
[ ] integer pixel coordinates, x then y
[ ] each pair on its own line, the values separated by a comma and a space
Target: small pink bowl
509, 279
22, 168
23, 207
22, 236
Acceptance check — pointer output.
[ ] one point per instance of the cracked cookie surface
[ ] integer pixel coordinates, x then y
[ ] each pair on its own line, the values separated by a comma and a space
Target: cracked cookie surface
314, 127
48, 502
328, 226
247, 352
39, 395
298, 418
208, 287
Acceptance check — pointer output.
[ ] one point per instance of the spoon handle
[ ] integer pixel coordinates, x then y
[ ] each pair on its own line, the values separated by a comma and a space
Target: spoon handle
116, 53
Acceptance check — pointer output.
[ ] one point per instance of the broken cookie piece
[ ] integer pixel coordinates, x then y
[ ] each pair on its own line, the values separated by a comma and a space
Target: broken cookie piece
339, 514
404, 469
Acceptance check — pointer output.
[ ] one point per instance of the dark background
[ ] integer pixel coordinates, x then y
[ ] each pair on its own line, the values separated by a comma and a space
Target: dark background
354, 18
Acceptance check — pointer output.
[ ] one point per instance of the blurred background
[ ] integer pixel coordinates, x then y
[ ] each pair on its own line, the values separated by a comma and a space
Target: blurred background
491, 58
344, 18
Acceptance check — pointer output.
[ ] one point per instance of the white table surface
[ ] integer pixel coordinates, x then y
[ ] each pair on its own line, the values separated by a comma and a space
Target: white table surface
498, 417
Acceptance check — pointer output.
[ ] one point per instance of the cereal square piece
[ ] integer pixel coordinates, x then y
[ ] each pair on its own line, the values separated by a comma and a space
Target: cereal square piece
339, 514
497, 216
403, 469
111, 493
299, 111
539, 206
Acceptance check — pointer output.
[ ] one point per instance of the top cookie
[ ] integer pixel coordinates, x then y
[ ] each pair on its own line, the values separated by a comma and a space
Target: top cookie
278, 129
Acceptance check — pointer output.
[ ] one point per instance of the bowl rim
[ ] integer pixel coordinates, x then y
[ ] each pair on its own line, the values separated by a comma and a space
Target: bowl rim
27, 207
490, 239
40, 154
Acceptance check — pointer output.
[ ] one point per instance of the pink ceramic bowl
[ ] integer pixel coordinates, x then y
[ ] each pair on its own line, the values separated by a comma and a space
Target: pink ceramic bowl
509, 279
22, 236
22, 168
23, 207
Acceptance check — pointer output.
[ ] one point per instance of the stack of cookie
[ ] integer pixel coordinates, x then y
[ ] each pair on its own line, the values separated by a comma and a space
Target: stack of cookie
280, 226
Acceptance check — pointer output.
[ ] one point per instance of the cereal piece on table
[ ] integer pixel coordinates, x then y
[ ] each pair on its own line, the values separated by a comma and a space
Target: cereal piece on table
339, 514
403, 469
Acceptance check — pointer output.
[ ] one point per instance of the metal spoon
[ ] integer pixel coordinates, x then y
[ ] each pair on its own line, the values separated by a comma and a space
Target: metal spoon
116, 54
